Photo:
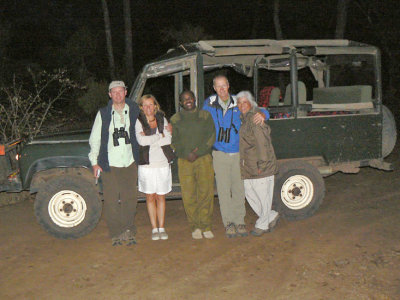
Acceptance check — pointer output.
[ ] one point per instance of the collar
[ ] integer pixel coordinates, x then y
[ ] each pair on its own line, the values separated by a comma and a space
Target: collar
214, 101
126, 107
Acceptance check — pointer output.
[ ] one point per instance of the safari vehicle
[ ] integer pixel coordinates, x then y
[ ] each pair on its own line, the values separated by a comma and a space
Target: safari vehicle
325, 102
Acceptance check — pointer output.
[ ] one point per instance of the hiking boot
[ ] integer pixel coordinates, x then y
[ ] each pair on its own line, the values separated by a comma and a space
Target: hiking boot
116, 241
197, 234
258, 231
241, 230
128, 237
208, 234
131, 241
273, 223
230, 230
125, 235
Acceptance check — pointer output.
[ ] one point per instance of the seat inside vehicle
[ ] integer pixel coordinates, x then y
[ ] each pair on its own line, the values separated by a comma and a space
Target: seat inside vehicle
302, 93
356, 97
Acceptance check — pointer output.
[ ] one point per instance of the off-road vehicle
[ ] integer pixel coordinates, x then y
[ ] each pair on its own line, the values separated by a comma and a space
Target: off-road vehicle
325, 102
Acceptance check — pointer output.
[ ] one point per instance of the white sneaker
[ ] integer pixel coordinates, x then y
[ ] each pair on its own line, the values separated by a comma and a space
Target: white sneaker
197, 234
208, 234
163, 235
155, 235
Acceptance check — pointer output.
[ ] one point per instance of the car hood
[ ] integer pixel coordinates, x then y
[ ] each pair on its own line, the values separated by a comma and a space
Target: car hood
73, 136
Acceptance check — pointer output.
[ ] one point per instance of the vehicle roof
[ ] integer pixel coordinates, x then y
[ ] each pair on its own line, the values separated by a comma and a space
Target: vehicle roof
242, 54
221, 48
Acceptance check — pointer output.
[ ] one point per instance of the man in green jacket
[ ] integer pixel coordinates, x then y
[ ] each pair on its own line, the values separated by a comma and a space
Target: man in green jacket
193, 135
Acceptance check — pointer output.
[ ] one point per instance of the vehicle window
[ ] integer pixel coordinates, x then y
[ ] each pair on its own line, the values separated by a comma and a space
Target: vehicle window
273, 92
162, 88
349, 86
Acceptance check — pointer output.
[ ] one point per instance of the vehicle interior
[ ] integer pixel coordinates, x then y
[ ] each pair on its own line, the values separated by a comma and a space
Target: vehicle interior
334, 77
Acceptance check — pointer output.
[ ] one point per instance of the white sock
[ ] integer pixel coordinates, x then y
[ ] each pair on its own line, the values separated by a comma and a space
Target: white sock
161, 229
155, 230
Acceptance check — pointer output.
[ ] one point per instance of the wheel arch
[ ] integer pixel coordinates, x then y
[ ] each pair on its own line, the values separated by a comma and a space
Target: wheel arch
42, 177
51, 163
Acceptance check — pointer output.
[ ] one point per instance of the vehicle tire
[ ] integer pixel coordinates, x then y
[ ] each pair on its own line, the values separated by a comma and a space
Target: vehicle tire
299, 190
389, 132
68, 207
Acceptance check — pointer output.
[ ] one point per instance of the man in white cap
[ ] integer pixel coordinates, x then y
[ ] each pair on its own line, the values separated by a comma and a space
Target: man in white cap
114, 152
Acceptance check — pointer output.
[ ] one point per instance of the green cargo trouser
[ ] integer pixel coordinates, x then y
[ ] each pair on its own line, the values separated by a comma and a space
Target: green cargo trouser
120, 199
197, 185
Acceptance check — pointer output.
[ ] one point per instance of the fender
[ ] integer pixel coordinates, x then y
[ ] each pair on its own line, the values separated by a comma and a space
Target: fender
57, 162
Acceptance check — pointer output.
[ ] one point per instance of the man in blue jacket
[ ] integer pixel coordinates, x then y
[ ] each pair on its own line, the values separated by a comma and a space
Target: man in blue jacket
226, 158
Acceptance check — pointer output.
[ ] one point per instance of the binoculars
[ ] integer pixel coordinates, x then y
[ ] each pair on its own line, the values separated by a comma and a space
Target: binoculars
121, 133
224, 135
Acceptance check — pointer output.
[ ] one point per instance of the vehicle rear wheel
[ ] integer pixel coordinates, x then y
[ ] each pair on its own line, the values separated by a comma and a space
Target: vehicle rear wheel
299, 190
68, 207
389, 132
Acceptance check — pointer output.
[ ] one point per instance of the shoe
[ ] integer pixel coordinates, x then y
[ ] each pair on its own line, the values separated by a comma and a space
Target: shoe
197, 234
230, 230
241, 230
128, 237
258, 232
163, 235
116, 241
125, 235
273, 223
131, 241
155, 235
208, 234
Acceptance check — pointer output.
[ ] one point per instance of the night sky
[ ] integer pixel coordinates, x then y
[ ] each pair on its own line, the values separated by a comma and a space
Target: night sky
67, 34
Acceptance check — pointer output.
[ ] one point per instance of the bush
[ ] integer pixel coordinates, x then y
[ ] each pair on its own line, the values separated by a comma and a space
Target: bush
28, 102
95, 97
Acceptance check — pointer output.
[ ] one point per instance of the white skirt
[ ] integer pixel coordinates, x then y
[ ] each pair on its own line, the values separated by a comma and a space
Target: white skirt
155, 180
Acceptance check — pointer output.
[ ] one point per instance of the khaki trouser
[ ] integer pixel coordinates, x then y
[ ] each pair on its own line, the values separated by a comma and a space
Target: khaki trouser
120, 199
197, 185
230, 187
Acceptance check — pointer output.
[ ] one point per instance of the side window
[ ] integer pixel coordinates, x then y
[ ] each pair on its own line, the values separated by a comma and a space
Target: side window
162, 88
273, 93
349, 87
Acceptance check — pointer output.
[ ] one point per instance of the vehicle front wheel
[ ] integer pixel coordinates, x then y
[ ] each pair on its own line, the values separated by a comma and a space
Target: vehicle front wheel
68, 207
299, 190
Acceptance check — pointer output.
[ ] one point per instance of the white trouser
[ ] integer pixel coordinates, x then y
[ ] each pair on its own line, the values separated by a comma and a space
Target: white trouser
259, 193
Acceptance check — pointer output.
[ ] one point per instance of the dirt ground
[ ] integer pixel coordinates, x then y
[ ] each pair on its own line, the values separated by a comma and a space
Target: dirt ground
350, 249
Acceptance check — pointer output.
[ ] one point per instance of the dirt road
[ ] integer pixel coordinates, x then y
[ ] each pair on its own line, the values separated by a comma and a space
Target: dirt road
350, 249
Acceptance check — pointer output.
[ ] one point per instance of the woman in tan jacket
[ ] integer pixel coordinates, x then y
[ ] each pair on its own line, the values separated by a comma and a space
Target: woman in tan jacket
257, 164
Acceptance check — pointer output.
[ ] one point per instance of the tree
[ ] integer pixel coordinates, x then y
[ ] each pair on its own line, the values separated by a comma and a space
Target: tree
25, 105
187, 34
279, 36
79, 49
107, 28
341, 19
277, 23
128, 41
256, 18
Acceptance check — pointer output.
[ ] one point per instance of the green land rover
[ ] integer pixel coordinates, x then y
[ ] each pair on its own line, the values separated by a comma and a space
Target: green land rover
324, 99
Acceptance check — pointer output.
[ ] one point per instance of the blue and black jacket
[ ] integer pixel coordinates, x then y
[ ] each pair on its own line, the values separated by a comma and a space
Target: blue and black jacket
231, 120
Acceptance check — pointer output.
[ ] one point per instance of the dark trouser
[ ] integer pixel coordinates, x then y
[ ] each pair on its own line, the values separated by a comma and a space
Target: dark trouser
120, 199
197, 184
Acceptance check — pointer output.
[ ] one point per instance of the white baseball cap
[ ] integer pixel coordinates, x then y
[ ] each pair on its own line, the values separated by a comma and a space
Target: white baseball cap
114, 84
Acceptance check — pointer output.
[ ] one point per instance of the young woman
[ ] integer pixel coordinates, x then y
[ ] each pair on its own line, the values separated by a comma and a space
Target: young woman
154, 170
